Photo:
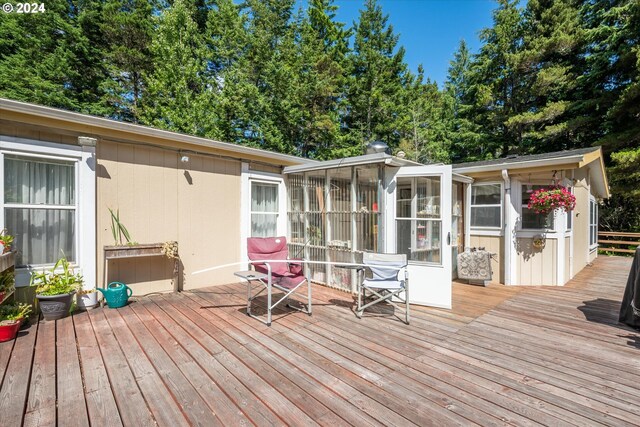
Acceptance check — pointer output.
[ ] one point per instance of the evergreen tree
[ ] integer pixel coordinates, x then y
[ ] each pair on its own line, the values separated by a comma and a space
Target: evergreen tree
178, 96
323, 47
464, 134
228, 73
376, 83
497, 85
53, 58
550, 64
127, 30
429, 114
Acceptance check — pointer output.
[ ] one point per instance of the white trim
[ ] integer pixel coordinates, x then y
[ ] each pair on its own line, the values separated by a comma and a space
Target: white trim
486, 232
84, 161
246, 179
593, 247
522, 164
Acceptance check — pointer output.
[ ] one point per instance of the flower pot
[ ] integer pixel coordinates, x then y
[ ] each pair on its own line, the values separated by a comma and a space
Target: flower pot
9, 329
87, 301
55, 307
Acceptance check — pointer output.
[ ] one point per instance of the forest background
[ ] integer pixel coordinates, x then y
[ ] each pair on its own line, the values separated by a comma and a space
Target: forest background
550, 75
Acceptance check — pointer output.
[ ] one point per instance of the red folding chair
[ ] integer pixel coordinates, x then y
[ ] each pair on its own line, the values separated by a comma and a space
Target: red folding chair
277, 271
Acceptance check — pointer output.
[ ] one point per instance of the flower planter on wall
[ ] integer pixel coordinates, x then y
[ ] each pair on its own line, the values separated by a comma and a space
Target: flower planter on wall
55, 307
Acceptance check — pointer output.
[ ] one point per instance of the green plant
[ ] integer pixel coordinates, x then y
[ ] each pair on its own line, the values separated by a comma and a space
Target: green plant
6, 239
7, 281
61, 279
14, 311
118, 230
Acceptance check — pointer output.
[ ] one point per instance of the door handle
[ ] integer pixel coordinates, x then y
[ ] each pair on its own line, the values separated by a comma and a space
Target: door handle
448, 238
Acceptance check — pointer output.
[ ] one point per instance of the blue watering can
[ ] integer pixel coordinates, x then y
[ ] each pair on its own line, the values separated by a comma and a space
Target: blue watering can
117, 294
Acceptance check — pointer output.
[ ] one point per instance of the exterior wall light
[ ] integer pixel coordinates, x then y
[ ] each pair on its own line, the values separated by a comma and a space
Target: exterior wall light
184, 159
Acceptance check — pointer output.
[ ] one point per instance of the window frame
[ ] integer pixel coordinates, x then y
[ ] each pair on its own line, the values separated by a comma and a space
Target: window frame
75, 207
276, 213
593, 215
414, 219
522, 206
471, 206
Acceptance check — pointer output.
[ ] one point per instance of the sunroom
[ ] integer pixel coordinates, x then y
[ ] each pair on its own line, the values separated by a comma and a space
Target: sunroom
381, 203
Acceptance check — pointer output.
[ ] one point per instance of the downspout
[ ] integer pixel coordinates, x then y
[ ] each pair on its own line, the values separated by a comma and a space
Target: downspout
507, 227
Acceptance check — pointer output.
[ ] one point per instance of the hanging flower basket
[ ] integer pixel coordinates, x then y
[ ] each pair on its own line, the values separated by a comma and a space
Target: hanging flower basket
546, 200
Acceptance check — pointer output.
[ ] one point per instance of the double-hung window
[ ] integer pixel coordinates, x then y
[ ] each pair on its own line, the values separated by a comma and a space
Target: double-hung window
593, 223
486, 206
264, 209
40, 208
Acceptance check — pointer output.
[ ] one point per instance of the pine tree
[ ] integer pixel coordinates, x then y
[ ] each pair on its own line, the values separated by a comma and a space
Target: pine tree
376, 83
178, 96
323, 47
127, 29
550, 64
497, 84
464, 134
53, 58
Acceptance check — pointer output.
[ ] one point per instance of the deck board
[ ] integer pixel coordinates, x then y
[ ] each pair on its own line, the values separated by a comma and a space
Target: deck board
522, 356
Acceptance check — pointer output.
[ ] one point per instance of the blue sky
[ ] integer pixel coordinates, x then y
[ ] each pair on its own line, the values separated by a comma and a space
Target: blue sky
430, 30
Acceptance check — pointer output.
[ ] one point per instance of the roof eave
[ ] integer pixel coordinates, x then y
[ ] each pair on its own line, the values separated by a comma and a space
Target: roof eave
521, 165
134, 129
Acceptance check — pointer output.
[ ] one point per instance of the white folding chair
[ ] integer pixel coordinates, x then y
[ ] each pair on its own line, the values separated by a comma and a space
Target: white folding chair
389, 279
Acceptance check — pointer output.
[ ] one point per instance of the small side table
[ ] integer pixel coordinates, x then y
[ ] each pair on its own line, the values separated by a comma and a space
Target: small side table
249, 276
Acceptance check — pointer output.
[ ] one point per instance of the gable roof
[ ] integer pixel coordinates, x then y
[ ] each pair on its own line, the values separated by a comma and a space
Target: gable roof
568, 159
538, 158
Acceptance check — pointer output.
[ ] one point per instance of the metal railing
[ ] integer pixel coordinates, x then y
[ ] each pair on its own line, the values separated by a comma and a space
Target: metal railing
618, 242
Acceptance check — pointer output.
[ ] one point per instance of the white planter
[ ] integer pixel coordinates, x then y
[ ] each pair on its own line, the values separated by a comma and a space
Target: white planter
87, 301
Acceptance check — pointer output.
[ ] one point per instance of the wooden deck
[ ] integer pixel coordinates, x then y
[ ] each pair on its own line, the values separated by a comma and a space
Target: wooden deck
502, 356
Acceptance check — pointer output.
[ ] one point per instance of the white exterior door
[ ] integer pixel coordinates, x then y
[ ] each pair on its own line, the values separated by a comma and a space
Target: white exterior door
420, 226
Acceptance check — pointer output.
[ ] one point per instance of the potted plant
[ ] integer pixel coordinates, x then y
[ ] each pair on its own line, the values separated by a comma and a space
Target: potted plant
55, 289
6, 240
7, 283
546, 200
11, 318
87, 299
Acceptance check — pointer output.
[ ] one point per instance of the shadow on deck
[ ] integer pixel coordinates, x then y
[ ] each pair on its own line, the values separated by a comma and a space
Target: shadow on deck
519, 356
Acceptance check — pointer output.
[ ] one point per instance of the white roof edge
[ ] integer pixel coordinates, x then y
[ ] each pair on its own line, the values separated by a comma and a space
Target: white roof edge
351, 161
462, 178
100, 122
521, 165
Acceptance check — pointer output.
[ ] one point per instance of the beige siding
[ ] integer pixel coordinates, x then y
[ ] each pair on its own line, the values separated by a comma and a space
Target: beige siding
161, 199
35, 132
537, 267
261, 167
494, 244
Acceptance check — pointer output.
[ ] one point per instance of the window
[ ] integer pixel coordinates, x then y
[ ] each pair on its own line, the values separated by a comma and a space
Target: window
264, 209
593, 223
532, 220
40, 208
486, 206
418, 219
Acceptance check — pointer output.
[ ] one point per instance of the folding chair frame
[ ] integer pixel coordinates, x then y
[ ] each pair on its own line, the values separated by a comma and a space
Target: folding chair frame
382, 295
269, 285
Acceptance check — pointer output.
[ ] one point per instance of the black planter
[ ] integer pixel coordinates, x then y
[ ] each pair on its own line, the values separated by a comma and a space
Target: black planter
55, 307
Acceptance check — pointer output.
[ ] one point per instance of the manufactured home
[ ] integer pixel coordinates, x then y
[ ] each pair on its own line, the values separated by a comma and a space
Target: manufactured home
63, 171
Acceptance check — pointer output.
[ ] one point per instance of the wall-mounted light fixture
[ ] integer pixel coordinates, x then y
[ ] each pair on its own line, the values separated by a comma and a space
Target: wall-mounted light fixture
184, 158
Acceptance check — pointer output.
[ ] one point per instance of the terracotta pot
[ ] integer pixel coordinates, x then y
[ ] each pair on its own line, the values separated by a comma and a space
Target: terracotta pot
55, 307
9, 329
